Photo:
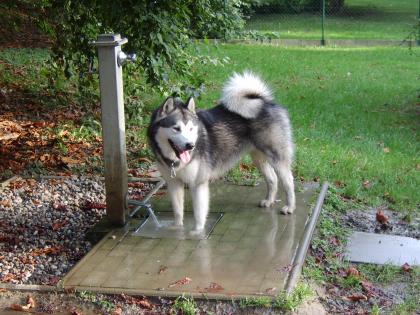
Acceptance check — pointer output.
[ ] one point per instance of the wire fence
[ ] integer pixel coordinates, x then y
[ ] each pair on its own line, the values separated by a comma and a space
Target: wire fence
337, 20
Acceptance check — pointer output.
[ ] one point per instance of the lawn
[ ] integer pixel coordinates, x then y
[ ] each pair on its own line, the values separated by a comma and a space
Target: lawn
360, 19
354, 112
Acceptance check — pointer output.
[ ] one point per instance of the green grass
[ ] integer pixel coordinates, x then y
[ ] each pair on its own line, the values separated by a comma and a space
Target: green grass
185, 305
354, 113
360, 19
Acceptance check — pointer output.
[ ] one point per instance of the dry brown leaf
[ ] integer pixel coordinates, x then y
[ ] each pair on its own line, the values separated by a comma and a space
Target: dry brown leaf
2, 290
58, 225
213, 288
271, 290
351, 271
30, 301
406, 267
381, 217
356, 297
117, 311
6, 203
162, 269
386, 150
183, 281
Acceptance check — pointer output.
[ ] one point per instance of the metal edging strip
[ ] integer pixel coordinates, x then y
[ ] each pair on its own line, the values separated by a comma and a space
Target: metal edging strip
299, 259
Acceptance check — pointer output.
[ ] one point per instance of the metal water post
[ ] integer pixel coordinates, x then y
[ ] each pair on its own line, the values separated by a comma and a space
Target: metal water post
111, 59
323, 24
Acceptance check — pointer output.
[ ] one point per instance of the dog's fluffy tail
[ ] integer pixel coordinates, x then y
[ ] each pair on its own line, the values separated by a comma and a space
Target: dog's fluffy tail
245, 94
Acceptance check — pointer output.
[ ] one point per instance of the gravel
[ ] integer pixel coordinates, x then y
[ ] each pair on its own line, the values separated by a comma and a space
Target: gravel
43, 226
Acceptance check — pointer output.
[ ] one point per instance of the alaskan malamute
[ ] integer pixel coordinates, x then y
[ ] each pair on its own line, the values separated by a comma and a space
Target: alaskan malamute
192, 147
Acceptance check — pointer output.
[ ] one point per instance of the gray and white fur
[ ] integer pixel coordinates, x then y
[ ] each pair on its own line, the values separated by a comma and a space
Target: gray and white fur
193, 147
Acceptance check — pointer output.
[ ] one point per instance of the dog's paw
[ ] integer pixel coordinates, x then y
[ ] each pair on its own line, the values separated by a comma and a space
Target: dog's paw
287, 209
265, 203
176, 226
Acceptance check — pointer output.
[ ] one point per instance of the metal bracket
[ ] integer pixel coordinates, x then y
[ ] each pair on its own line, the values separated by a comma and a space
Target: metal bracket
123, 58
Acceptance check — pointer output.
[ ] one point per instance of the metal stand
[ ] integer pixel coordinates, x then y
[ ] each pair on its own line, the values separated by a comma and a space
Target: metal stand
111, 60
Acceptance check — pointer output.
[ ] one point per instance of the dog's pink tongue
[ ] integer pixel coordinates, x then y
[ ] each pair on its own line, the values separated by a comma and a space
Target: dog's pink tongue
185, 156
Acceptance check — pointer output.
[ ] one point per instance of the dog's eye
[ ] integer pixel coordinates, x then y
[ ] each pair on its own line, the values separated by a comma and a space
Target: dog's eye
177, 128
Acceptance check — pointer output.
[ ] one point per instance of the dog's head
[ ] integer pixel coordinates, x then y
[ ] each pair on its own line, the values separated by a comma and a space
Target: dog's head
176, 131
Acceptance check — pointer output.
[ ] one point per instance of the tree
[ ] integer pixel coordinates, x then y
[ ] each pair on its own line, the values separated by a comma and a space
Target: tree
159, 31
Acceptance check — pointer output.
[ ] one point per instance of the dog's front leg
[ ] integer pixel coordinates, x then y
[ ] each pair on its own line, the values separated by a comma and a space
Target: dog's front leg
200, 198
176, 192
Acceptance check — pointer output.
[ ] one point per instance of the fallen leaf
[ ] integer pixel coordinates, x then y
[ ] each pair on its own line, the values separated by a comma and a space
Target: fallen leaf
366, 184
58, 225
2, 290
71, 161
271, 290
334, 162
183, 281
351, 271
334, 241
76, 312
386, 150
162, 269
117, 311
406, 267
381, 217
30, 301
136, 185
6, 203
356, 297
18, 308
94, 205
213, 288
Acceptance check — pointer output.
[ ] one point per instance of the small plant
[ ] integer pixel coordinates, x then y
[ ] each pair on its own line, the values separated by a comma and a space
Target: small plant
185, 305
290, 302
262, 301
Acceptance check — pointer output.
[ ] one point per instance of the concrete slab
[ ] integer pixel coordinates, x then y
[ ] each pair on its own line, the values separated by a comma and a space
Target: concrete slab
246, 254
383, 249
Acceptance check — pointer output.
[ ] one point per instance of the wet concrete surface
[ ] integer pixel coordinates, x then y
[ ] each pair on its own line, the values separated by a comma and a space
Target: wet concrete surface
249, 251
383, 249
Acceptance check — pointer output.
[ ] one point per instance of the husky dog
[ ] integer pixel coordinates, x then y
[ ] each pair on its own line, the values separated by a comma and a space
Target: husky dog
192, 147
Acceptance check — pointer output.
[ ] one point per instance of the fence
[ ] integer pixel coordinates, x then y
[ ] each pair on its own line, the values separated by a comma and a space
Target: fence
337, 20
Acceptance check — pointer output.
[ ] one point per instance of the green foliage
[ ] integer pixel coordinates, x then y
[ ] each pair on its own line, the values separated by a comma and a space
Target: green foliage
160, 32
262, 301
185, 305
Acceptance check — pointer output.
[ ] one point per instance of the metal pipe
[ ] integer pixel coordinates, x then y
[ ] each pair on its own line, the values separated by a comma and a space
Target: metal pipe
323, 23
306, 240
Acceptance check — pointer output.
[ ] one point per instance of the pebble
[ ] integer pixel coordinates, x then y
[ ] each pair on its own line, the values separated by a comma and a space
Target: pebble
27, 226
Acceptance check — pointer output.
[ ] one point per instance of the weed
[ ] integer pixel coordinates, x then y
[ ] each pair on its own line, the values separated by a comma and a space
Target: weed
262, 301
185, 305
97, 299
290, 302
380, 273
375, 310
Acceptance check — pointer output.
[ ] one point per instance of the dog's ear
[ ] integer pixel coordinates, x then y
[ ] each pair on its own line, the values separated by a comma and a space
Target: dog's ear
190, 105
167, 107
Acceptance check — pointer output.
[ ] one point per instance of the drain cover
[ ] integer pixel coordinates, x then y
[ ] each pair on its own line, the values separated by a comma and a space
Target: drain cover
166, 230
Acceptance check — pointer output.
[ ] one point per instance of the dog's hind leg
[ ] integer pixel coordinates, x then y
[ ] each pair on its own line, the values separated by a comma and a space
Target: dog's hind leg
269, 175
176, 193
284, 173
200, 199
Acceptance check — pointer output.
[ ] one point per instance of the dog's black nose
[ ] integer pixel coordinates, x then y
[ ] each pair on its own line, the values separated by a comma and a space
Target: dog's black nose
189, 146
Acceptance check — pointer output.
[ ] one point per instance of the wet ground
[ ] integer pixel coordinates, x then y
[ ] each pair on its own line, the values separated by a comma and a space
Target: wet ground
364, 220
249, 252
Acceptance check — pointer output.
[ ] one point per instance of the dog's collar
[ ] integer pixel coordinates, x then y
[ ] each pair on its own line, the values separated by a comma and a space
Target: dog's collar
172, 165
